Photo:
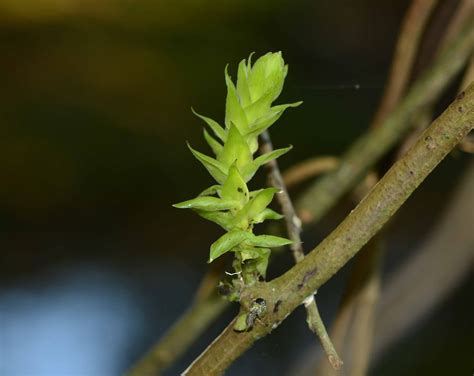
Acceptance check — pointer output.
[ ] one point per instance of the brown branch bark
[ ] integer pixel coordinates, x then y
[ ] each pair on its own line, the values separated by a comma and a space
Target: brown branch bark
287, 292
353, 327
354, 324
407, 294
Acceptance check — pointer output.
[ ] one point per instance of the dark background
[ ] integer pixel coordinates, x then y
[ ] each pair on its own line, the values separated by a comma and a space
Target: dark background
95, 104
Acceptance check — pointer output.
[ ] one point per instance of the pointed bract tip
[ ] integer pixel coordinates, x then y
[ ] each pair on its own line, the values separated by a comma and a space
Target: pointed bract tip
250, 57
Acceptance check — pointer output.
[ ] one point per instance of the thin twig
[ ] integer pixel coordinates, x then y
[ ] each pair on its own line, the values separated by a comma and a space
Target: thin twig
307, 169
464, 11
405, 53
368, 149
363, 328
353, 327
293, 226
313, 167
460, 18
358, 306
285, 293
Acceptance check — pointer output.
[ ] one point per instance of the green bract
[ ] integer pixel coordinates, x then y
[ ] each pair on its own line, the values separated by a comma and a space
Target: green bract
230, 204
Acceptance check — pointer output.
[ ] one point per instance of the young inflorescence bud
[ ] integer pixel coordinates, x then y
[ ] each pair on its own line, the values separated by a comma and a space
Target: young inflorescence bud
230, 204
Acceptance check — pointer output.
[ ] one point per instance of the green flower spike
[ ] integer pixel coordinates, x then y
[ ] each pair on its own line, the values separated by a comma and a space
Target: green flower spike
229, 203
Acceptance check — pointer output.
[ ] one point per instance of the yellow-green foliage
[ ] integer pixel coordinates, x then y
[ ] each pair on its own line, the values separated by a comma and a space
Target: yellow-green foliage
230, 204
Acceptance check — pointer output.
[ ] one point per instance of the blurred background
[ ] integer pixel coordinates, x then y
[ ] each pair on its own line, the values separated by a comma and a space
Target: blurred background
94, 113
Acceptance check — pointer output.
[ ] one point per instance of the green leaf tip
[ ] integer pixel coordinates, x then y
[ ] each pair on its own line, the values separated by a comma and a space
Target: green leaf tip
226, 243
213, 166
206, 203
214, 125
269, 241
